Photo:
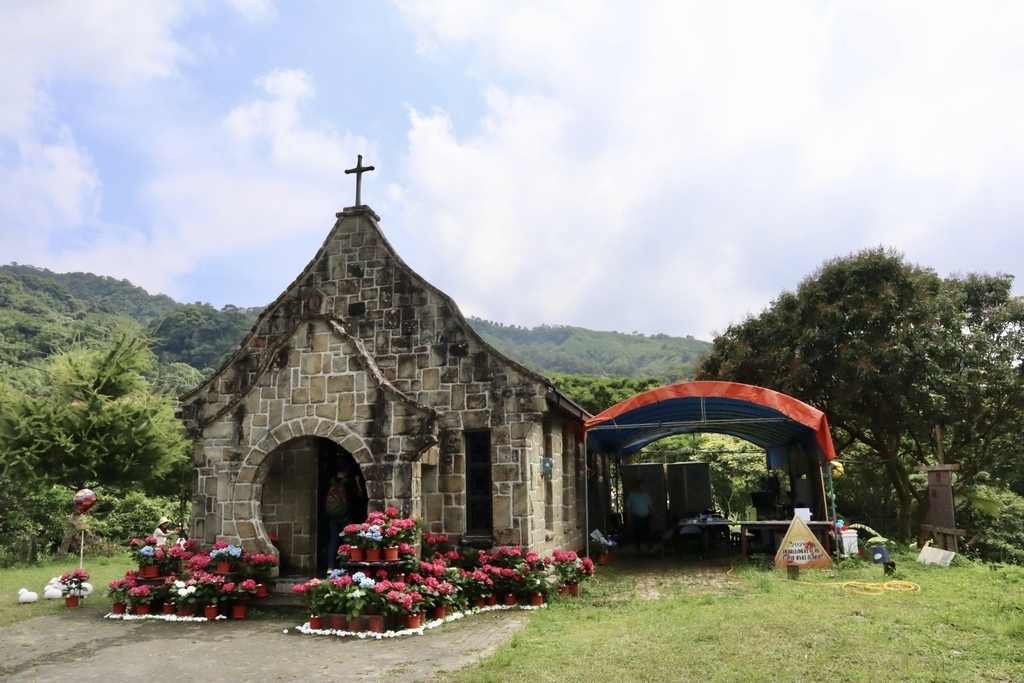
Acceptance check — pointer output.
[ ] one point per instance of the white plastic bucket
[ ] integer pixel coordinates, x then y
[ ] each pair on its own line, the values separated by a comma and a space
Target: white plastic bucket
850, 542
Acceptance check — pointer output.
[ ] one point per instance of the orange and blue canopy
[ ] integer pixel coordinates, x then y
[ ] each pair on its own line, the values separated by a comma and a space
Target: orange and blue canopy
761, 416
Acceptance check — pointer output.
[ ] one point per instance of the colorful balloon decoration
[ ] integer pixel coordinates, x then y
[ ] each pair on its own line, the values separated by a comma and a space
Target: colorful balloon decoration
84, 500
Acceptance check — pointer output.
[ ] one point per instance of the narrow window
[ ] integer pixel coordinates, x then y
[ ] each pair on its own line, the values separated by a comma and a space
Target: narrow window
479, 517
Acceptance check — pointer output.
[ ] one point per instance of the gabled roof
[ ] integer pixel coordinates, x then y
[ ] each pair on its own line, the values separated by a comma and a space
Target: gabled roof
762, 416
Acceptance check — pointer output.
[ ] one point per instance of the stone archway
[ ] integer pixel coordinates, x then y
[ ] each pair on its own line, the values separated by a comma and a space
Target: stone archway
292, 449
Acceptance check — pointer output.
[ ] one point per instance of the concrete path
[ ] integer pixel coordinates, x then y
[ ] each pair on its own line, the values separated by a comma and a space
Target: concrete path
81, 646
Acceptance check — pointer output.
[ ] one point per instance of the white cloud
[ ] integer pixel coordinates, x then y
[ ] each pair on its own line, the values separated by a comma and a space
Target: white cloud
245, 205
679, 164
255, 11
50, 186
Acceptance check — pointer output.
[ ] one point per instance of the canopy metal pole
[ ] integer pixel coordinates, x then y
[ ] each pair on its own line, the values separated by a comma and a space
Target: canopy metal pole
586, 494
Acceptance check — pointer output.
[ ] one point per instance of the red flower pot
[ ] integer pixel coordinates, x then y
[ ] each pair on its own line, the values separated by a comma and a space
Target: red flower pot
510, 599
261, 590
440, 612
372, 554
141, 609
356, 554
223, 567
149, 571
357, 624
316, 623
574, 589
412, 621
605, 559
492, 600
210, 611
375, 623
338, 622
238, 610
168, 608
120, 608
71, 601
391, 554
537, 600
184, 611
480, 602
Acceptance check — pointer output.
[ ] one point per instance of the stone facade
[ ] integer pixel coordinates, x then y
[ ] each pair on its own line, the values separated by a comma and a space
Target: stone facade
361, 355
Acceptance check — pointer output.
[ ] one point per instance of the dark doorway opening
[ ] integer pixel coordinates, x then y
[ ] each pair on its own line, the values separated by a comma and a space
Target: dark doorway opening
330, 458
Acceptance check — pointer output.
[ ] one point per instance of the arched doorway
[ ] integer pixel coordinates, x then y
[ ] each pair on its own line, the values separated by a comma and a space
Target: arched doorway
292, 502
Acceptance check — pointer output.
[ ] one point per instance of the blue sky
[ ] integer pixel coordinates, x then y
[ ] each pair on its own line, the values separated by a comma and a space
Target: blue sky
661, 167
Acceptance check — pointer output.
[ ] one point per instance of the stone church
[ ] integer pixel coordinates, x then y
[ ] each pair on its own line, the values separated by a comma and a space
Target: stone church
361, 359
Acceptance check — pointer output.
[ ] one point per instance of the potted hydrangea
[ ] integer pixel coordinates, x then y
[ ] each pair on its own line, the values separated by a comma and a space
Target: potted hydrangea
141, 597
314, 595
147, 554
184, 595
226, 558
72, 586
532, 581
117, 591
571, 569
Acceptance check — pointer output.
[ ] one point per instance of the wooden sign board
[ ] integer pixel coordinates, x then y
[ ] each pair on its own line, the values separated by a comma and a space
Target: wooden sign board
800, 547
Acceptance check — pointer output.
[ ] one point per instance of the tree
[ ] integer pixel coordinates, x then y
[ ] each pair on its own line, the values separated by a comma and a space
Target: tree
94, 421
597, 394
888, 350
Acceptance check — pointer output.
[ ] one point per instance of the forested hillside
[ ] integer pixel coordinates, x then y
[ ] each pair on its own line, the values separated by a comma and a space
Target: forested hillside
550, 349
42, 312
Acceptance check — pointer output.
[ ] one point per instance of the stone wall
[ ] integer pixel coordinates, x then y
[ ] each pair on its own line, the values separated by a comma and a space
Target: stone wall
362, 351
289, 505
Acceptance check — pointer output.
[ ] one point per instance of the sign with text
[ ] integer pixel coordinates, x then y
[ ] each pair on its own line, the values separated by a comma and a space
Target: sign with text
801, 548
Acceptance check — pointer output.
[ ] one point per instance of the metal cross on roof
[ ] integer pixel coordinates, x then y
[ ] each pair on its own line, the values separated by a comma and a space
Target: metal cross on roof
359, 170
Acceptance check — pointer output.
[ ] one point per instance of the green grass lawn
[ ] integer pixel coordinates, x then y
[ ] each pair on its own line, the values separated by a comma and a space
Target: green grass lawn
102, 570
662, 622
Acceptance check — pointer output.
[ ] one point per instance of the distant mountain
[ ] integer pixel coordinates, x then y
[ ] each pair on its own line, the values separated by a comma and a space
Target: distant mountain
99, 294
42, 312
550, 349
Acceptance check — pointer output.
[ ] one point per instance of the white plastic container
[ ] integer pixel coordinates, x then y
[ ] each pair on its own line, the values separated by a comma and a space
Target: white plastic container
850, 542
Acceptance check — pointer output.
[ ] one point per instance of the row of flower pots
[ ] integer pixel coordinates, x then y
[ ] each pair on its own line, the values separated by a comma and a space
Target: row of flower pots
378, 623
235, 610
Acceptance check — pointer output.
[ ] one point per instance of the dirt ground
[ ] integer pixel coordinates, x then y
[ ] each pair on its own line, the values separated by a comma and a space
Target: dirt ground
82, 646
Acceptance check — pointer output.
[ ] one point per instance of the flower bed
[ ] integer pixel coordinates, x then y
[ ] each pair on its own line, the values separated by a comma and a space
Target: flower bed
433, 623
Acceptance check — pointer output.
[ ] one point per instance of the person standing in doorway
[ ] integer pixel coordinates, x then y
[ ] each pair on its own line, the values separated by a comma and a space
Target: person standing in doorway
340, 508
638, 508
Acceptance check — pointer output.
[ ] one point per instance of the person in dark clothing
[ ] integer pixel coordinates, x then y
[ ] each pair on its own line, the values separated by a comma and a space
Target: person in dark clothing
340, 506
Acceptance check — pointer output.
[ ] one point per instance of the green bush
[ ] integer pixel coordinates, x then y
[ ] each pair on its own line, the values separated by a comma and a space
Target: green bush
134, 514
995, 518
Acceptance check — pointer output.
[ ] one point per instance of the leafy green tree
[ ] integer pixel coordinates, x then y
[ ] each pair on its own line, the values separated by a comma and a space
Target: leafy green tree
597, 394
95, 421
888, 350
200, 335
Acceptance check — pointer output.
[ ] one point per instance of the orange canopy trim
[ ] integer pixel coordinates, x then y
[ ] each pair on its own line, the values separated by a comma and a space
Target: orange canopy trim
722, 406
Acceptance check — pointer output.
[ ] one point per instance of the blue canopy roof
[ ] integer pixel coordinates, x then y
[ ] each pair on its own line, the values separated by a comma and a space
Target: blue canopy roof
764, 417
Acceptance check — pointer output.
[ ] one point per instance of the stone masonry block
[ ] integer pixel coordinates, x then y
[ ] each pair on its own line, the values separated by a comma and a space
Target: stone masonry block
454, 520
346, 407
451, 483
317, 389
520, 500
502, 511
311, 364
337, 384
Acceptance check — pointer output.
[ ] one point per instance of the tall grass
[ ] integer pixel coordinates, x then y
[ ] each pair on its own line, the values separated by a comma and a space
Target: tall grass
661, 622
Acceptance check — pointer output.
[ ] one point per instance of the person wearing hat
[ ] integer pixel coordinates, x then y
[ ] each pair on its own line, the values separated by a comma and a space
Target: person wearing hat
162, 534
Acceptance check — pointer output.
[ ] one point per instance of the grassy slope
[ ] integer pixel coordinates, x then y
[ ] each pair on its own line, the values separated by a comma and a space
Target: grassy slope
666, 625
